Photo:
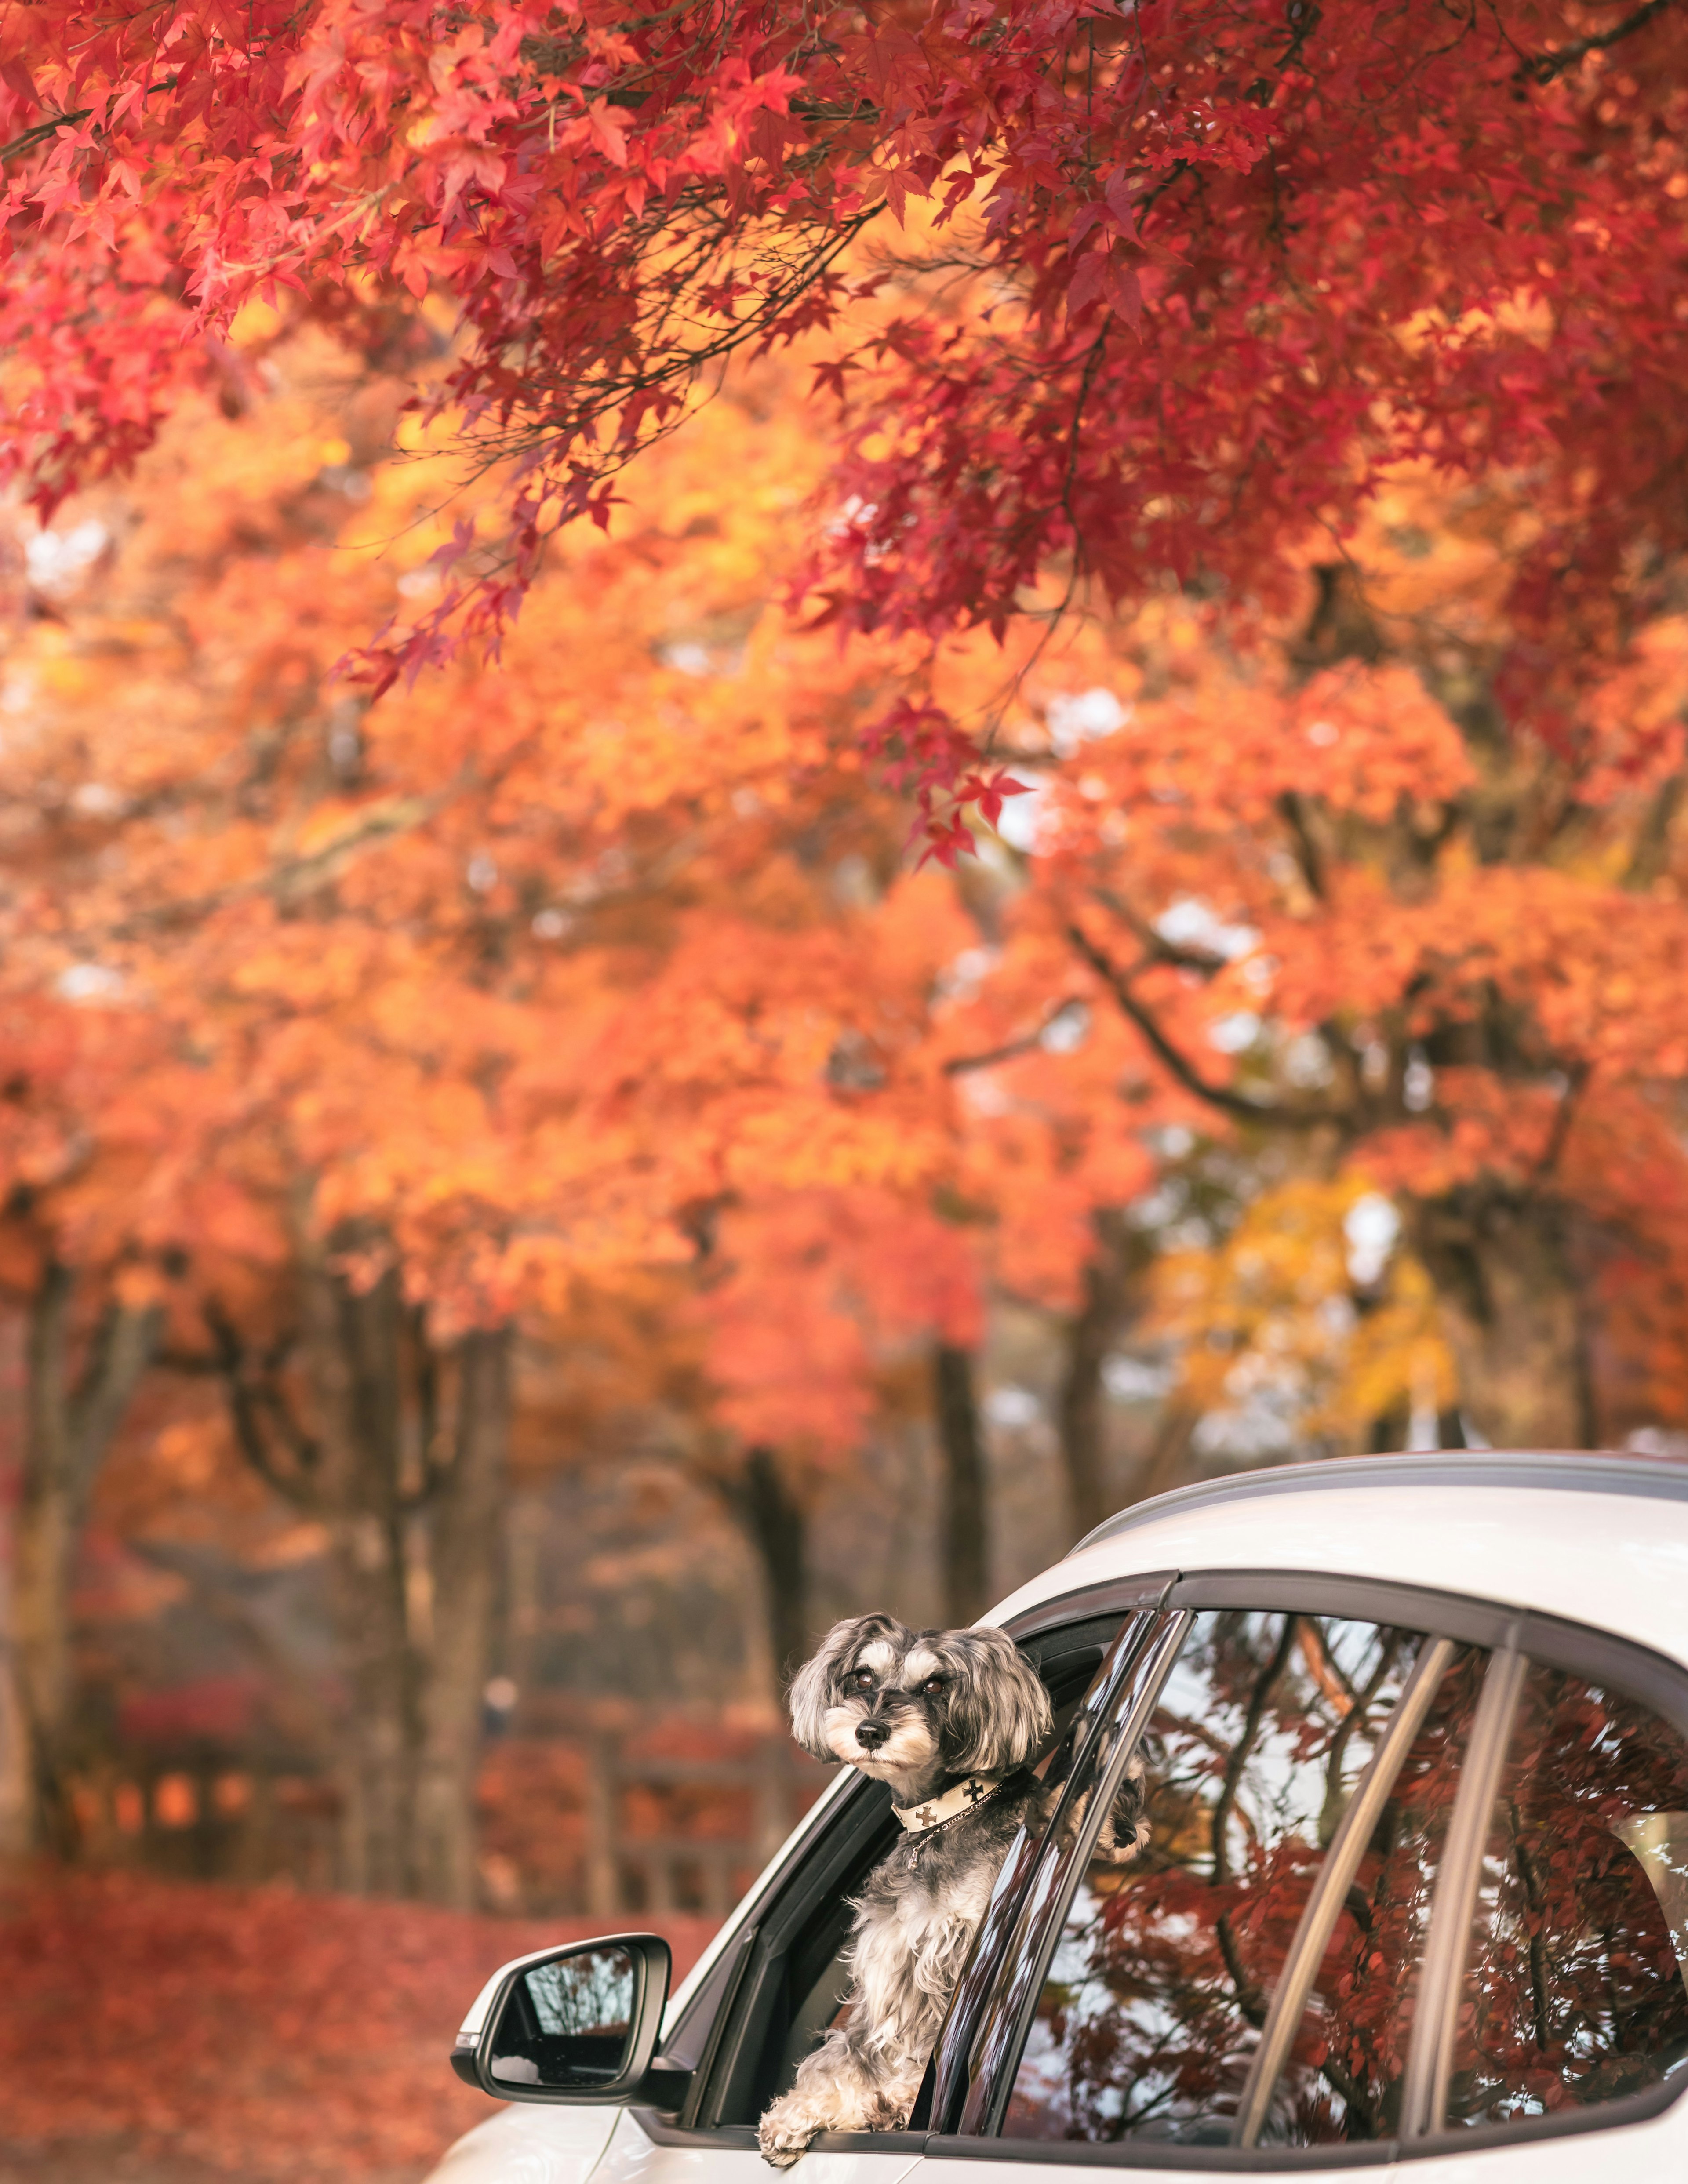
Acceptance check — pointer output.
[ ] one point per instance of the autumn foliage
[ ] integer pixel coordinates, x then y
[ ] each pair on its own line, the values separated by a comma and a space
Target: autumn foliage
1110, 759
1169, 295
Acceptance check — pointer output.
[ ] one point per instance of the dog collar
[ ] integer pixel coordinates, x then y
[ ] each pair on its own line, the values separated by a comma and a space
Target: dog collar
966, 1795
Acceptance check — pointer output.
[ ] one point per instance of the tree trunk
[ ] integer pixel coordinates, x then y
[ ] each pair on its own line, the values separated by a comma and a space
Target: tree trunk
1163, 1468
353, 1349
413, 1511
774, 1522
964, 1522
465, 1524
1513, 1316
67, 1433
1082, 1410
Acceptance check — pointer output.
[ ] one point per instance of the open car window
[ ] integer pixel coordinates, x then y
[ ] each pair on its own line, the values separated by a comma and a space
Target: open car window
780, 1985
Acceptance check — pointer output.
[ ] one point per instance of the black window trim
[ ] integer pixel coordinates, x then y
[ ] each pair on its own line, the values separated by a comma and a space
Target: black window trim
953, 2066
1146, 1678
1502, 1627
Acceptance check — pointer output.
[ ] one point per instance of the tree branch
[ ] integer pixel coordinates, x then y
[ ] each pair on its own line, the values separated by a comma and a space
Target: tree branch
1293, 808
1178, 1065
1160, 949
41, 130
1564, 1115
247, 1409
1542, 68
120, 1353
959, 1064
291, 876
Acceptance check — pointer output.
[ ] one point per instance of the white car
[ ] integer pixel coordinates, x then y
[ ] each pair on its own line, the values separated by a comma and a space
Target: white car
1415, 1891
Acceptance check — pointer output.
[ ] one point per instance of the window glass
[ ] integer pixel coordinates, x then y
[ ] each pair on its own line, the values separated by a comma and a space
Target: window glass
1347, 2069
1163, 1972
1575, 1988
986, 2004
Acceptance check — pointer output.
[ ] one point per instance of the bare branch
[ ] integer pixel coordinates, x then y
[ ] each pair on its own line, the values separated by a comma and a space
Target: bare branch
959, 1064
1178, 953
122, 1348
1564, 1115
1228, 1102
1542, 68
249, 1405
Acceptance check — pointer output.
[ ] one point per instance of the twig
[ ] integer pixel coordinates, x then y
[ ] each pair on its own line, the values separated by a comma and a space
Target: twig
1542, 68
1216, 1095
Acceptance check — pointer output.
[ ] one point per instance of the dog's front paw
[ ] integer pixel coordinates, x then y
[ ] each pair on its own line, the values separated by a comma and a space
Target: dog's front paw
783, 2134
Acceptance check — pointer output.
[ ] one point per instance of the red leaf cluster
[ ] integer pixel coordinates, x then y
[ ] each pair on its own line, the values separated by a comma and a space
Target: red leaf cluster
1224, 266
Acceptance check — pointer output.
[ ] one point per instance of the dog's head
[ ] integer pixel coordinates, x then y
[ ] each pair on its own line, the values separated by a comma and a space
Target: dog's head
905, 1705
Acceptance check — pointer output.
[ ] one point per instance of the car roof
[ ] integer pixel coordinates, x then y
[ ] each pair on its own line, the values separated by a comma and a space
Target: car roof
1597, 1538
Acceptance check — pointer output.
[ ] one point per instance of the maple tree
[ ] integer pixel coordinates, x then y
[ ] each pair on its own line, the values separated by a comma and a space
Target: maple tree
1197, 340
1329, 589
84, 1243
506, 991
1353, 908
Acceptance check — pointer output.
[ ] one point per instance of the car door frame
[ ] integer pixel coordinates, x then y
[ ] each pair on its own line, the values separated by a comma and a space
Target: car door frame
715, 2035
1508, 1633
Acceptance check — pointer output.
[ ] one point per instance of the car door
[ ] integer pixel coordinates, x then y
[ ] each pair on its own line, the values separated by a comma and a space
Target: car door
1415, 1885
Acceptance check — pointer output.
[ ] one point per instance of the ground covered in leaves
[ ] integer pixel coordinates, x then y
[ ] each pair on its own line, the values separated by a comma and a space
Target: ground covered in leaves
161, 2033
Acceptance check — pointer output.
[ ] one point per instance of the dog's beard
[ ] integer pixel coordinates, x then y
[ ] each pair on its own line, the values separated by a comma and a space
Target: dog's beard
909, 1749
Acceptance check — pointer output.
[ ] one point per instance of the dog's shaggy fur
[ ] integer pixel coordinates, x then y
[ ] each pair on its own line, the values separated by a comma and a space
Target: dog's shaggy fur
924, 1711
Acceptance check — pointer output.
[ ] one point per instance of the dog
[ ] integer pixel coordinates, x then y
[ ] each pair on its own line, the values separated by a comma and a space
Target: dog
953, 1721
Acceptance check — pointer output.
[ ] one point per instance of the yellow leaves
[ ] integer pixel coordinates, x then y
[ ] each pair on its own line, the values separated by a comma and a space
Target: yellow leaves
1421, 551
255, 325
1274, 1319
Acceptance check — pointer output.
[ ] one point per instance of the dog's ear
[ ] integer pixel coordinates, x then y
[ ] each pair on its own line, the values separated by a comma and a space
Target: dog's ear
999, 1716
811, 1687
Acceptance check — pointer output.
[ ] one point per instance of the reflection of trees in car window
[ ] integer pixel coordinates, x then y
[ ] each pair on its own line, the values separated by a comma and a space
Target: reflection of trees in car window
1347, 2067
1575, 1988
1161, 1977
587, 1994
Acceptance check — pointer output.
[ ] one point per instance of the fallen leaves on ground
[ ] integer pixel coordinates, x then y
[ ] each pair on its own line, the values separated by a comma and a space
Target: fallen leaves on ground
250, 2033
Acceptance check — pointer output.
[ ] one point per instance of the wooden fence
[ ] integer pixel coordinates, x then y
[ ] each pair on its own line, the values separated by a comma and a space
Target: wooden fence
203, 1813
624, 1872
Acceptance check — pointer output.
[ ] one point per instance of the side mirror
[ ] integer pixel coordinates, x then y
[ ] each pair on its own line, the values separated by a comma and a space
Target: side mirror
577, 2023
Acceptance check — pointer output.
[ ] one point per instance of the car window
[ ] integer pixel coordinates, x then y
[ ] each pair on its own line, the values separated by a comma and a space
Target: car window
790, 1980
1160, 1983
983, 2010
1575, 1988
1342, 2079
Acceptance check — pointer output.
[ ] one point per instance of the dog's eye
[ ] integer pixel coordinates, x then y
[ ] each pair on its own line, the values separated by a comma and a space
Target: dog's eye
863, 1679
932, 1687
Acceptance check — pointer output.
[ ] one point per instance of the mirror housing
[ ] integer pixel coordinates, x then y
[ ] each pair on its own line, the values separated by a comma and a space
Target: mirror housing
577, 2023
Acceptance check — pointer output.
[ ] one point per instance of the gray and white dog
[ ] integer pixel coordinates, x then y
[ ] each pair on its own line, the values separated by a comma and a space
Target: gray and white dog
953, 1720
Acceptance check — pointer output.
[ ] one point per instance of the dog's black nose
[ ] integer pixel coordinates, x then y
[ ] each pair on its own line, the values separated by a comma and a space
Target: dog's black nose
871, 1735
